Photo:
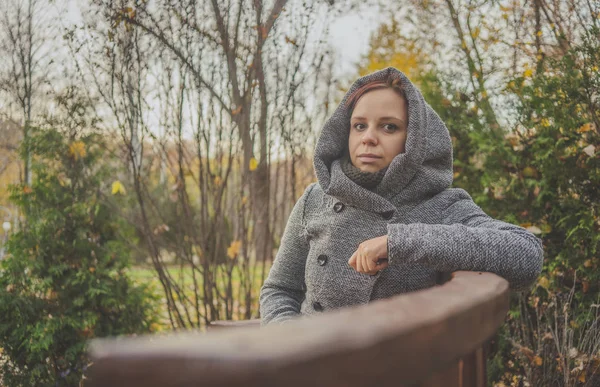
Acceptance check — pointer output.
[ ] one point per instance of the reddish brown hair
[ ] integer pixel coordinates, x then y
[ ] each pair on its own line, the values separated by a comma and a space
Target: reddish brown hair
387, 83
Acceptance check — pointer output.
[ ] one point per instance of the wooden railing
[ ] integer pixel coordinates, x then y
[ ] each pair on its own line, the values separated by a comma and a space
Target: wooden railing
433, 337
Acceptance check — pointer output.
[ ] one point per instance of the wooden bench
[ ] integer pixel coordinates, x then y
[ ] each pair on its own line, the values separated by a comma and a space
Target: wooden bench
433, 337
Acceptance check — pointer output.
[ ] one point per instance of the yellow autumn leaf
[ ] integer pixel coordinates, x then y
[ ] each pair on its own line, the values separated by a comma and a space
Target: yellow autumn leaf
539, 33
117, 188
63, 180
456, 174
585, 286
475, 33
77, 150
529, 172
155, 327
585, 128
244, 200
253, 164
234, 249
527, 73
588, 263
545, 122
537, 361
92, 269
534, 230
581, 377
543, 282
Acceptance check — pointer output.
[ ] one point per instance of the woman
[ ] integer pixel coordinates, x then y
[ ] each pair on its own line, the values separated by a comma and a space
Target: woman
382, 219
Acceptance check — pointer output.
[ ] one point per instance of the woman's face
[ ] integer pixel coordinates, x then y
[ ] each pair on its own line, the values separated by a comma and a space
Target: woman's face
377, 129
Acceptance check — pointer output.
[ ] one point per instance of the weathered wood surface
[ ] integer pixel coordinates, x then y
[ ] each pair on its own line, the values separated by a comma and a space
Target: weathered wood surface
226, 324
408, 340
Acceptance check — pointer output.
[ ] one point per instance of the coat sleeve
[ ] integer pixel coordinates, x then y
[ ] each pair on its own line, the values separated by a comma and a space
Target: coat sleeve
469, 240
282, 293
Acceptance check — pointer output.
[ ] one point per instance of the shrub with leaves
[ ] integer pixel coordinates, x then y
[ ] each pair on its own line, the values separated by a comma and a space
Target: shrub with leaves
64, 279
547, 178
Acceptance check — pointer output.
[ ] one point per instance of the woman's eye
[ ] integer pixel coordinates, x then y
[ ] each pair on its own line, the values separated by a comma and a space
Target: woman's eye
359, 126
390, 127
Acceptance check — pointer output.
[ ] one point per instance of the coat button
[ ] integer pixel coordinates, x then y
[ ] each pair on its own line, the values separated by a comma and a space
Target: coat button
317, 306
322, 259
387, 215
338, 207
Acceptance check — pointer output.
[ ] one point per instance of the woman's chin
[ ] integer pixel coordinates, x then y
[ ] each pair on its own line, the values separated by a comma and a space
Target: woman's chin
372, 168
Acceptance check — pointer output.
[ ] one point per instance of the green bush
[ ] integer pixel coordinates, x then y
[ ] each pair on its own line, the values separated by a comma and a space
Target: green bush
64, 279
551, 184
543, 173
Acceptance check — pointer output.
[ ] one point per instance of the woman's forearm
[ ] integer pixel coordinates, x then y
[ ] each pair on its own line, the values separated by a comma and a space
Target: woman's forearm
478, 243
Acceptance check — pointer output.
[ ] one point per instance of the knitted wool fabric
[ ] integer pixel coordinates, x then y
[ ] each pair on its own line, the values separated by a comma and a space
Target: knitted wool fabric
368, 180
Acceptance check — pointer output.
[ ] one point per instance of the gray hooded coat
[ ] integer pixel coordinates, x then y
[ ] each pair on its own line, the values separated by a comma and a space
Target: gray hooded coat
431, 228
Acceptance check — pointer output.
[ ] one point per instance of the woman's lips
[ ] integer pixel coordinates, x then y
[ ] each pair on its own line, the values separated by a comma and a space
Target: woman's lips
368, 159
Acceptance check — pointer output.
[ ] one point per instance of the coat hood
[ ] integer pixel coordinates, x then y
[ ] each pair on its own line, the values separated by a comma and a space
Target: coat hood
422, 171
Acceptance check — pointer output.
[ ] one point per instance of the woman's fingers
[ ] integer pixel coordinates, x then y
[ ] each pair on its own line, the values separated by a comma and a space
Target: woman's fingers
352, 261
371, 264
359, 263
363, 263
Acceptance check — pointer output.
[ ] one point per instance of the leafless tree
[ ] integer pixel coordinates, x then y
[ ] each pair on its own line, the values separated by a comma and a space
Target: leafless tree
226, 83
24, 34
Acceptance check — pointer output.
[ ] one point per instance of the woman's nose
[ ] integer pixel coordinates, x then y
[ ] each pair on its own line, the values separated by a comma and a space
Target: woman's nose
369, 136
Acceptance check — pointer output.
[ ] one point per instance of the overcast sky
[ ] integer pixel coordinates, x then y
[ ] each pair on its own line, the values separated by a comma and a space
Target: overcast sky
350, 36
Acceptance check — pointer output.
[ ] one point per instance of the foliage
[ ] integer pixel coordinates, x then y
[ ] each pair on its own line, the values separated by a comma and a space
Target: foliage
542, 173
389, 47
64, 279
549, 181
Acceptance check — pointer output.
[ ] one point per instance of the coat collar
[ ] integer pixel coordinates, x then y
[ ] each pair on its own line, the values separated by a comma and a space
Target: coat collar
346, 190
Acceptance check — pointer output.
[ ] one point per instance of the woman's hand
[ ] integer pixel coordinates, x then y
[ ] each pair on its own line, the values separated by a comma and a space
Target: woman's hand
365, 259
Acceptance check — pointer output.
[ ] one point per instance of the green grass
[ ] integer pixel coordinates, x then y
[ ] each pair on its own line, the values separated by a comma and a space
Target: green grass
183, 278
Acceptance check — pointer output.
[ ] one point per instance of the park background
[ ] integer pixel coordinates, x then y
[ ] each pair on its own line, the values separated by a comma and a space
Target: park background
151, 152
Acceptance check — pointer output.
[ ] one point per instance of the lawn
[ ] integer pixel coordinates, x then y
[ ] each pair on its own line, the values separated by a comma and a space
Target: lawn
183, 278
